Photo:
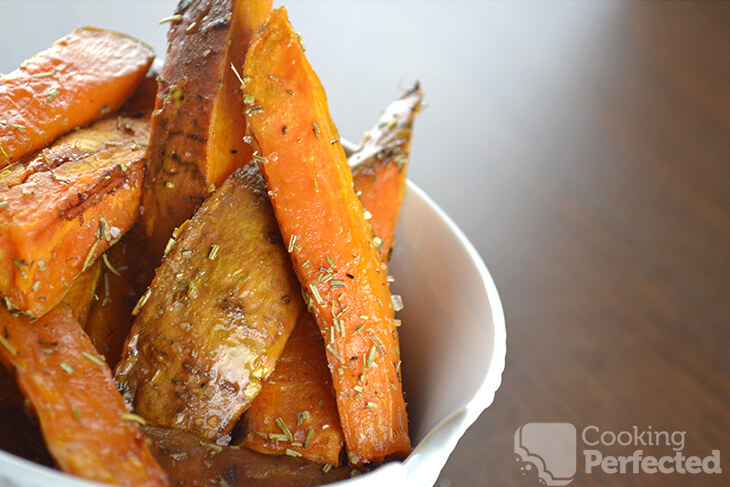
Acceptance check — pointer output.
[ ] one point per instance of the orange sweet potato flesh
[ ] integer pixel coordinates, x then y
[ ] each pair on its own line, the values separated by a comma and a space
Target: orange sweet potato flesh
191, 461
298, 398
331, 245
43, 98
61, 208
379, 167
80, 412
299, 391
198, 126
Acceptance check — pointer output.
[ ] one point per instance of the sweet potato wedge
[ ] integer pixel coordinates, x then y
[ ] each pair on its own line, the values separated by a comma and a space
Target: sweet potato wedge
198, 127
298, 393
60, 209
329, 239
379, 167
193, 462
216, 316
296, 409
41, 100
85, 424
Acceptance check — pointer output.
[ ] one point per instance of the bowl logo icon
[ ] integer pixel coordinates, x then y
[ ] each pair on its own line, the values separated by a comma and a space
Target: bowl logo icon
550, 448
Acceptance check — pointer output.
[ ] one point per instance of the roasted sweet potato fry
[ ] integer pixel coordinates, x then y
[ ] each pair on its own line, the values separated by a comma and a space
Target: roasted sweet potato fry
298, 394
85, 424
216, 316
379, 167
193, 462
198, 127
329, 239
60, 209
296, 409
42, 99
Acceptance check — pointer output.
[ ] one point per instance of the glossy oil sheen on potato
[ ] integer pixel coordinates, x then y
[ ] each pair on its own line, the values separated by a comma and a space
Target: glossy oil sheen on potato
216, 316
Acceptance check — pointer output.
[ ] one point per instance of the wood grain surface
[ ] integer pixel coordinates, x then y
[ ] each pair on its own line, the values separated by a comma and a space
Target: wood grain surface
584, 148
605, 221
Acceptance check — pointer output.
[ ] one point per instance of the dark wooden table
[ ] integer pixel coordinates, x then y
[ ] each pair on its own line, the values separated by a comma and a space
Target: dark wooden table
584, 147
599, 198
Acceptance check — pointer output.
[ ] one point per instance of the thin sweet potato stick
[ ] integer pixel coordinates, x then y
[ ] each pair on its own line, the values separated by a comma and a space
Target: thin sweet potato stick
80, 78
330, 242
379, 167
298, 396
85, 424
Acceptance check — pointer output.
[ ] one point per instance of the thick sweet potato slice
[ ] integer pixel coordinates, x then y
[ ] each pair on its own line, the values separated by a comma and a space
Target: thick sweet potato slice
379, 167
85, 424
193, 462
79, 79
198, 127
216, 316
296, 409
60, 209
331, 244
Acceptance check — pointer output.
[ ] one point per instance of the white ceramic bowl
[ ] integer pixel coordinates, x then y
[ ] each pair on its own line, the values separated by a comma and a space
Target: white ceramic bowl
453, 344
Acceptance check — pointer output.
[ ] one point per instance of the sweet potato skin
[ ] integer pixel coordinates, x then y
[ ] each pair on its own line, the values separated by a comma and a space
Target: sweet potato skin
331, 243
379, 167
60, 209
72, 393
40, 100
198, 125
298, 394
216, 316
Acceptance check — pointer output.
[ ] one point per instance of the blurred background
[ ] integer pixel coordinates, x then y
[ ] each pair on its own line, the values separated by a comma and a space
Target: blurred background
584, 148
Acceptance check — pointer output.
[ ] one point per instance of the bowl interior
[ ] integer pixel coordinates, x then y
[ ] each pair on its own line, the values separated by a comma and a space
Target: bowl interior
447, 337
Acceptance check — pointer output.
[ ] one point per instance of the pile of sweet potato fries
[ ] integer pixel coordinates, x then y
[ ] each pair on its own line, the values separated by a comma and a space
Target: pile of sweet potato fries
194, 273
